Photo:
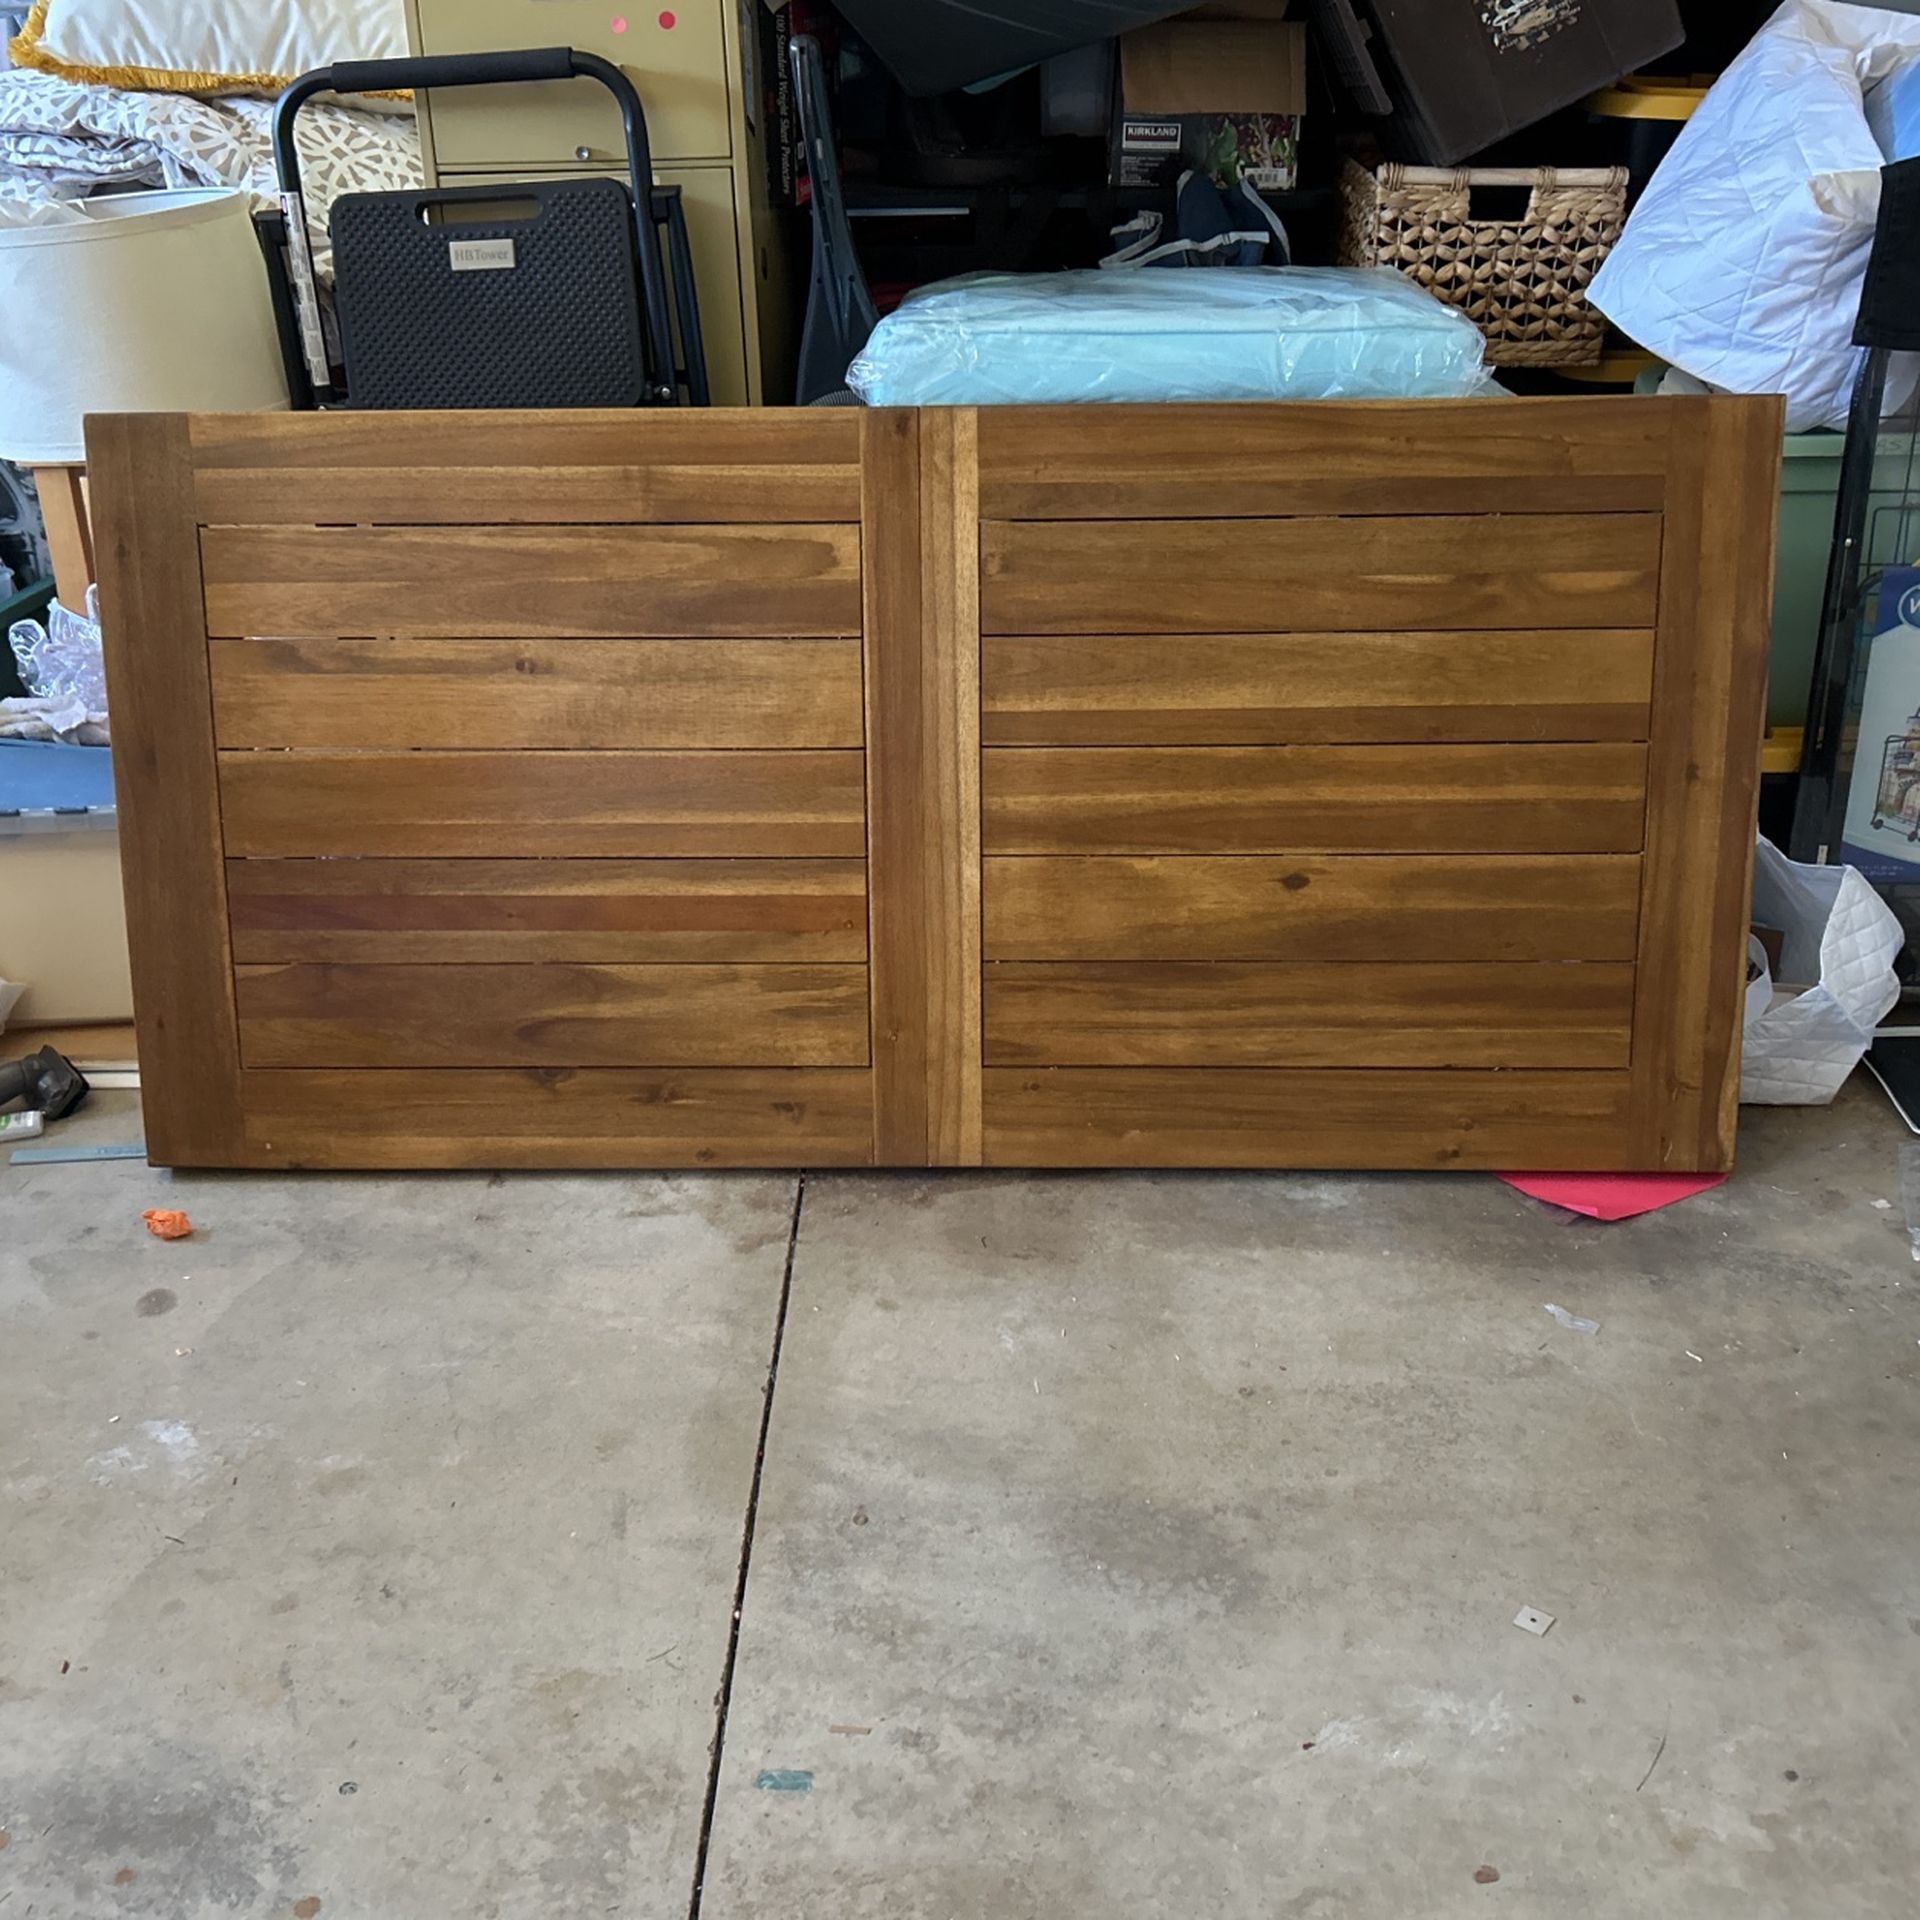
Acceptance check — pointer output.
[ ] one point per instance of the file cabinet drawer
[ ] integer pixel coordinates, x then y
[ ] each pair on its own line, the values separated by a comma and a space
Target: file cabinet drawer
682, 71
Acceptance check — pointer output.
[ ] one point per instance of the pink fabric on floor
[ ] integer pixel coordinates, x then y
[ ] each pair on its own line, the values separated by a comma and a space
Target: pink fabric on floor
1613, 1196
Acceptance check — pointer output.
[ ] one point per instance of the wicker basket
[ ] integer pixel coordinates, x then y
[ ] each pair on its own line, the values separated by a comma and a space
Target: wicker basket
1523, 282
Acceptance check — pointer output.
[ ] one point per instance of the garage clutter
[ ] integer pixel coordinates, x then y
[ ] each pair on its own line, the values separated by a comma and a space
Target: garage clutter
1121, 203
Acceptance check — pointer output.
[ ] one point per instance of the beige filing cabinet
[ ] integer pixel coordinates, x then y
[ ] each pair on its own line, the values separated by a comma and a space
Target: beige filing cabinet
698, 66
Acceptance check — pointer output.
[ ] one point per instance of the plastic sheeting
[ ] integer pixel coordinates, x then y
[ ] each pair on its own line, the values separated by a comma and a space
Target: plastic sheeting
1255, 333
1841, 942
1744, 261
63, 670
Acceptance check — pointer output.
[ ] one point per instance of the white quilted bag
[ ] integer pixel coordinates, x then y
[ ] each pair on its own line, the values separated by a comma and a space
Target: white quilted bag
1744, 260
1801, 1044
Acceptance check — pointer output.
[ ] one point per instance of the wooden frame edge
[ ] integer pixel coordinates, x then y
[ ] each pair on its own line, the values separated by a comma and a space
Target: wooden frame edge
1703, 778
166, 776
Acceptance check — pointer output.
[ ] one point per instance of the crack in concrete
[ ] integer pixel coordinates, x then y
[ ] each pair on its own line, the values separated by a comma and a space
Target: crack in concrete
723, 1700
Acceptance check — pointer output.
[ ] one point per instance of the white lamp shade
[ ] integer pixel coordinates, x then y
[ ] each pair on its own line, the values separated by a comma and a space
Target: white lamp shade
144, 303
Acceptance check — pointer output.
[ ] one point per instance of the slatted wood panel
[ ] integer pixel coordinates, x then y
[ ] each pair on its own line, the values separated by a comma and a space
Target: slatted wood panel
544, 805
559, 581
1105, 690
401, 912
552, 1016
511, 590
1202, 1117
1443, 572
422, 469
1497, 583
572, 693
1454, 799
1232, 1014
607, 1117
1435, 908
1357, 739
1365, 457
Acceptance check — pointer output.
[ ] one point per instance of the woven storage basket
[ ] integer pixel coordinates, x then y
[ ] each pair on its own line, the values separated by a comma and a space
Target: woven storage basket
1523, 282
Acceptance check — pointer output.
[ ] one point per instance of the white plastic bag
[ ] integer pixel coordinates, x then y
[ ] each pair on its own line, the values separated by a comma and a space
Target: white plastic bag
65, 675
1841, 942
63, 659
1744, 261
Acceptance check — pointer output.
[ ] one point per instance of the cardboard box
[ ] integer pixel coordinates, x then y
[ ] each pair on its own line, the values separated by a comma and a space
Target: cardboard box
1463, 74
1216, 94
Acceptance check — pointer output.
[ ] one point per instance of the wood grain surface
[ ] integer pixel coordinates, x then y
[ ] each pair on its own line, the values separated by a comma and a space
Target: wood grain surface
399, 912
1438, 572
543, 1118
552, 1016
923, 692
1351, 457
544, 805
419, 469
559, 581
1452, 799
897, 817
573, 693
1115, 690
950, 540
1704, 781
1363, 785
165, 786
1338, 1014
1379, 907
1367, 1118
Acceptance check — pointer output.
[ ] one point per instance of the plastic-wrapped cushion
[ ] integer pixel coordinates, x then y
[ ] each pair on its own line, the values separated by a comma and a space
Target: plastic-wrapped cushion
1218, 333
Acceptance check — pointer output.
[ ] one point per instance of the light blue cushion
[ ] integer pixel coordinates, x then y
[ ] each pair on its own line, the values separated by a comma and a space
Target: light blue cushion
1222, 333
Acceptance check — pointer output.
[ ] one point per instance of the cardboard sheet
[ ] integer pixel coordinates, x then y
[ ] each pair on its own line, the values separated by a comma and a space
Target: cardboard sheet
1214, 66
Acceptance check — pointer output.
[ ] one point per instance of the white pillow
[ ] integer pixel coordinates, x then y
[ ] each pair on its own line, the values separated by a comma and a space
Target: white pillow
164, 46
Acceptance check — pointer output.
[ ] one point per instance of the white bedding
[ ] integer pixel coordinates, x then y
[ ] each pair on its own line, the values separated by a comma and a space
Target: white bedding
60, 141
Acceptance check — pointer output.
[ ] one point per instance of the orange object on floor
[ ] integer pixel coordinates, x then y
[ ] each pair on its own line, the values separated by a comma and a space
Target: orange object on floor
164, 1224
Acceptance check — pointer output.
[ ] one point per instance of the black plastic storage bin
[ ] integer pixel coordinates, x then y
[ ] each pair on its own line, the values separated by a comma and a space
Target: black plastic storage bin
933, 46
1462, 74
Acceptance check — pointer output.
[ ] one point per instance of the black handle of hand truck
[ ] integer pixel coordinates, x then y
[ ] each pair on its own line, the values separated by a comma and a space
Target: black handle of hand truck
459, 70
453, 70
506, 69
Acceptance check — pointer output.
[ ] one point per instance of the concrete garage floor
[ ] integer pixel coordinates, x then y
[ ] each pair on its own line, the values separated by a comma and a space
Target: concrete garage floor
1123, 1545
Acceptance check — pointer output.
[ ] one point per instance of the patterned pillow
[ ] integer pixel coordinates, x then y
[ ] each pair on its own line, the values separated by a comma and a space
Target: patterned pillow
161, 46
